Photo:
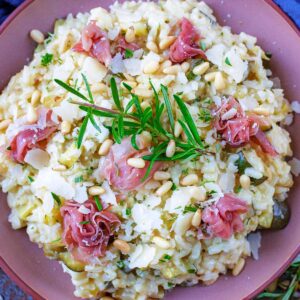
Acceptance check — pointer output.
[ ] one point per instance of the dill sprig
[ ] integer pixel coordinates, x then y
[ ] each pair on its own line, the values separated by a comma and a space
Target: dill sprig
133, 120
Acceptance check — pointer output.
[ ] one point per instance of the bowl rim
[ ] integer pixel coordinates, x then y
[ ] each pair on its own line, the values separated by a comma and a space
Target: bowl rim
24, 286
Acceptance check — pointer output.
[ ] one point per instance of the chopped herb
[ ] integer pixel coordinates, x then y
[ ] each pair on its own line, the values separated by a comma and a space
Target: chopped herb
189, 209
227, 62
202, 45
237, 189
128, 53
121, 264
259, 181
78, 179
46, 59
205, 115
8, 148
192, 271
59, 60
185, 171
207, 102
165, 258
174, 187
56, 198
84, 222
210, 193
128, 212
30, 179
241, 163
98, 203
170, 284
55, 241
49, 38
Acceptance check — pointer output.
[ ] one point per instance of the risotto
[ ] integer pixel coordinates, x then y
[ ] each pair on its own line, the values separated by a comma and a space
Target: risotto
143, 146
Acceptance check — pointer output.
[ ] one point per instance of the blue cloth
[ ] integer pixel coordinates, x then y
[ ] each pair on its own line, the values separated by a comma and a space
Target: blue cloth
8, 290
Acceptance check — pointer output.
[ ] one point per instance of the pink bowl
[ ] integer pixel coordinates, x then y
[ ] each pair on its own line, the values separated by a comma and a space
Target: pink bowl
44, 279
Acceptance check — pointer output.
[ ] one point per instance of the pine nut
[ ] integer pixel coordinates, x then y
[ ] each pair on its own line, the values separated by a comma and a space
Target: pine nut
190, 179
210, 76
37, 36
65, 127
96, 190
143, 93
152, 46
198, 193
105, 147
172, 70
164, 188
35, 97
161, 243
219, 82
171, 148
136, 162
245, 181
201, 69
166, 63
196, 220
151, 67
59, 168
166, 42
121, 245
145, 139
161, 175
185, 66
4, 124
130, 35
32, 115
238, 267
107, 298
177, 129
262, 111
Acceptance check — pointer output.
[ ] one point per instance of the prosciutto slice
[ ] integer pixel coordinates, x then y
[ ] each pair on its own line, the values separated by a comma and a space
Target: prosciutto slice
186, 44
87, 235
122, 45
119, 174
223, 218
238, 129
94, 42
32, 136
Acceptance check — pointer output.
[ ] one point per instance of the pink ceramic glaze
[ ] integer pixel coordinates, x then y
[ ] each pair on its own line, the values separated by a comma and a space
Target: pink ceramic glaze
44, 279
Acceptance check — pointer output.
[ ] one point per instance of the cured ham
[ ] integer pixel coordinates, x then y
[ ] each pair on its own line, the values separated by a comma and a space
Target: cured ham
187, 43
87, 235
223, 218
119, 174
94, 42
122, 45
32, 136
237, 129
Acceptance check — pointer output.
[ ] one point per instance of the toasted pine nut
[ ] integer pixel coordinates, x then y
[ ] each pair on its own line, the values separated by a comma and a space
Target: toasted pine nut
105, 147
245, 181
238, 267
201, 69
166, 63
4, 124
161, 243
196, 220
171, 148
130, 35
141, 92
198, 193
121, 245
136, 162
172, 70
166, 42
152, 46
190, 179
99, 88
32, 115
65, 127
185, 66
177, 129
161, 175
262, 111
59, 168
35, 97
96, 190
210, 76
145, 139
151, 67
37, 36
164, 188
219, 82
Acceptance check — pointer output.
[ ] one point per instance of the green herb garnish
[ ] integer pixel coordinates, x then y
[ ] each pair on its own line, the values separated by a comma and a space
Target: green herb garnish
98, 203
202, 45
120, 264
189, 208
128, 53
242, 163
46, 59
78, 179
205, 115
49, 38
165, 258
30, 179
227, 62
128, 212
56, 198
192, 271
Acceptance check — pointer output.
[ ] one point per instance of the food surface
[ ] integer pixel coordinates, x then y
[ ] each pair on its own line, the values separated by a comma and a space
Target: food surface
144, 147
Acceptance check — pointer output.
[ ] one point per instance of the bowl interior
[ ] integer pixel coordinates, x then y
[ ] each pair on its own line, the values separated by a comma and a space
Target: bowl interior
40, 276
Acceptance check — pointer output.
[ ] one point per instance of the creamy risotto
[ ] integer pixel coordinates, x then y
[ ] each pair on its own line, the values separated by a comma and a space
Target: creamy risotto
143, 146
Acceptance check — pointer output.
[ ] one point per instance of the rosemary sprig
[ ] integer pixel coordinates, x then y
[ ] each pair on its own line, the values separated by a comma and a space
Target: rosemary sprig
125, 123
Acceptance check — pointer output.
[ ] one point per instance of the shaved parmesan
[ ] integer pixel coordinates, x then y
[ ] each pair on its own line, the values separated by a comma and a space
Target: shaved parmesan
81, 194
109, 196
142, 256
94, 70
296, 107
37, 158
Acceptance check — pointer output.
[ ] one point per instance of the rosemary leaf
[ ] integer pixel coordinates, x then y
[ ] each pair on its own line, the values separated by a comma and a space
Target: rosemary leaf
56, 198
94, 123
133, 142
115, 93
87, 86
121, 126
82, 130
70, 89
165, 93
99, 113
